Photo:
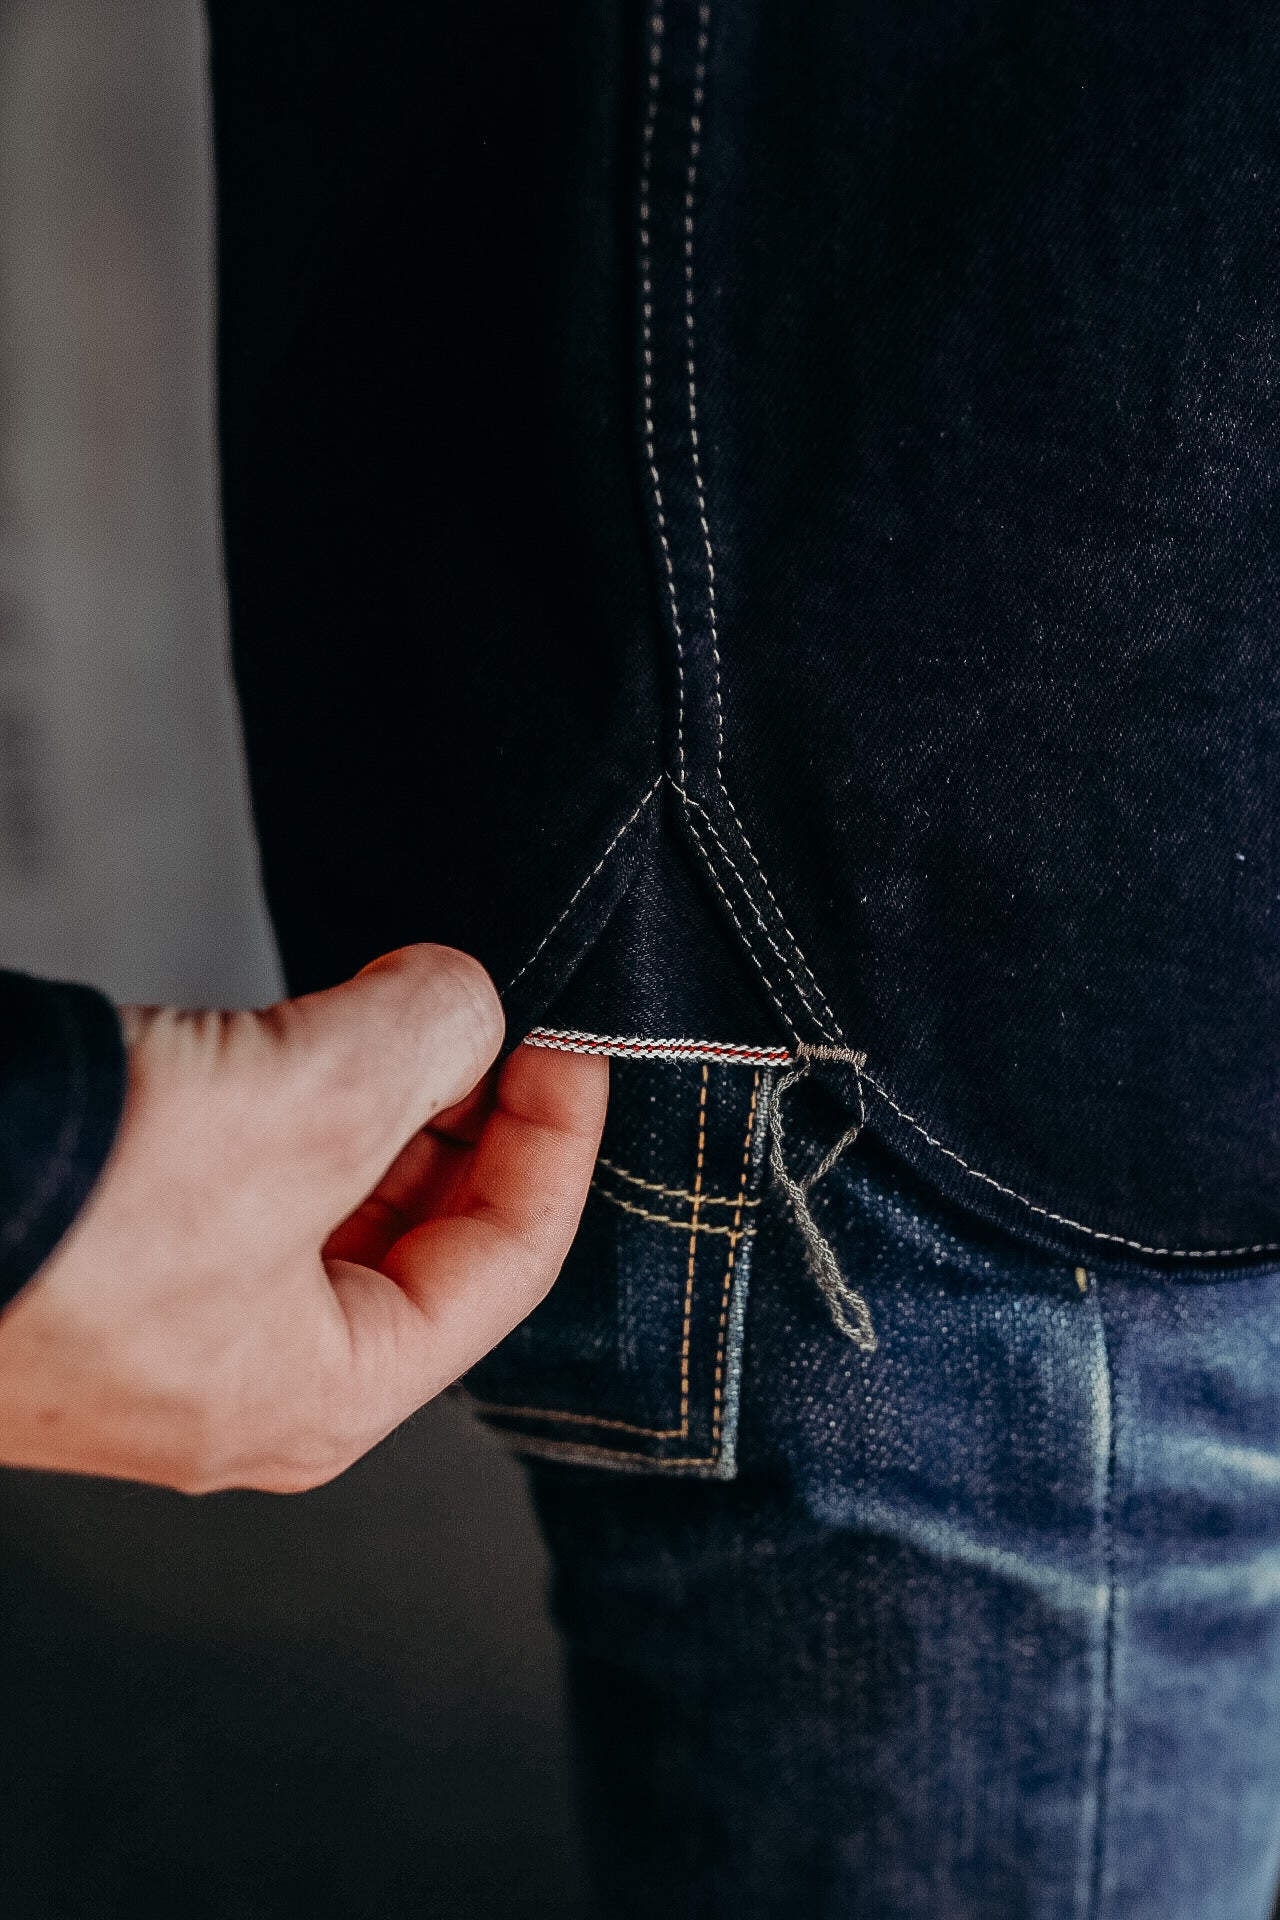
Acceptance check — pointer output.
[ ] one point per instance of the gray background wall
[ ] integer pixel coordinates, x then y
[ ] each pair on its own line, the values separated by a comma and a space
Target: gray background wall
345, 1704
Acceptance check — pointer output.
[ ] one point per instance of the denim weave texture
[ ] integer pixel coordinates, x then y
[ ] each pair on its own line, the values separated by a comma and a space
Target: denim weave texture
814, 469
985, 1624
761, 523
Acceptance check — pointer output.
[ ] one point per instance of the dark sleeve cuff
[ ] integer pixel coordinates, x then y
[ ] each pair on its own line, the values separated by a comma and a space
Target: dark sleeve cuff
62, 1084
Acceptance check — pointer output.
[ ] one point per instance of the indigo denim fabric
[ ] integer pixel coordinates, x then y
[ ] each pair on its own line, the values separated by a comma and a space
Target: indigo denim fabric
984, 1625
829, 452
760, 522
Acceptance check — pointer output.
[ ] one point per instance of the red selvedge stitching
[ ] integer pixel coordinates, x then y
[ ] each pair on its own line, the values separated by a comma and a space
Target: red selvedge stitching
645, 1047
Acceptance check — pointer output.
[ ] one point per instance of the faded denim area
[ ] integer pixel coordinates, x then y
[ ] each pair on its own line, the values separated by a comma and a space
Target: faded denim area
988, 1623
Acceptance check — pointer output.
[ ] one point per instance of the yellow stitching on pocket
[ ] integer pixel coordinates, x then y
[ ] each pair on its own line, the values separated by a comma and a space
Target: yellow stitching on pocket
664, 1219
717, 1407
673, 1193
693, 1253
737, 1232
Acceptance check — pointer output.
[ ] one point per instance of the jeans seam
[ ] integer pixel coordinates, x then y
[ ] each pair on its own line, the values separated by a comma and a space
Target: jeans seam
717, 1407
671, 1193
747, 942
657, 27
830, 1031
660, 1219
773, 899
691, 181
578, 892
700, 497
687, 1324
572, 1041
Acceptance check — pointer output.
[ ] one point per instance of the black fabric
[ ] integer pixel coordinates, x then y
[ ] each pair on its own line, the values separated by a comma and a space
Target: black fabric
433, 517
953, 648
62, 1083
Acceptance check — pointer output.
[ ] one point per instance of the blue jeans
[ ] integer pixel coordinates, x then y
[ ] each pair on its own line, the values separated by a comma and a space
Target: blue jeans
984, 1621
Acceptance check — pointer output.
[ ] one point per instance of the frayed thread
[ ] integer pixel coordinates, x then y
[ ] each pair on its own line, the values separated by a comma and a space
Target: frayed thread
848, 1308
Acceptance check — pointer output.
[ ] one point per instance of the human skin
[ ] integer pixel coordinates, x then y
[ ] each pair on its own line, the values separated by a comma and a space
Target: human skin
313, 1219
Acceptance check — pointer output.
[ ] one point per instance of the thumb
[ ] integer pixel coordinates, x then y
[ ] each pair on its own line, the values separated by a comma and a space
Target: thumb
375, 1058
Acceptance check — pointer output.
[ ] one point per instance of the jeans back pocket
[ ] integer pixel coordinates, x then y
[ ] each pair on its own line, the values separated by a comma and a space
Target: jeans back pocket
632, 1361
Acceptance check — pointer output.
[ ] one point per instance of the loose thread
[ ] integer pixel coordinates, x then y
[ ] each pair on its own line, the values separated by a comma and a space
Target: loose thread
847, 1307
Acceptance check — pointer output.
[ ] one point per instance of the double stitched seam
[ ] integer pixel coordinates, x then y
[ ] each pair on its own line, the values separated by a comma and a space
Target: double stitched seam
672, 1193
827, 1024
830, 1029
717, 1408
657, 1219
656, 29
651, 1047
846, 1056
737, 1233
693, 1254
682, 1431
745, 937
699, 488
578, 892
657, 32
782, 921
691, 373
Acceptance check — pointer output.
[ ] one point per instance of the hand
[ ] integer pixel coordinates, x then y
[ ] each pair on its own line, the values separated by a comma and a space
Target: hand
267, 1278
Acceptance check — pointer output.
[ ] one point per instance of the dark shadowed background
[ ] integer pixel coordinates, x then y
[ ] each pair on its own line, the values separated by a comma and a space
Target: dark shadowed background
345, 1704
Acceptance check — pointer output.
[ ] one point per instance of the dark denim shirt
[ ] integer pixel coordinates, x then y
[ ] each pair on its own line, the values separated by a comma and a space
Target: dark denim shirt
761, 522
